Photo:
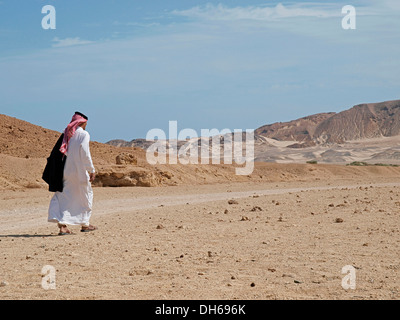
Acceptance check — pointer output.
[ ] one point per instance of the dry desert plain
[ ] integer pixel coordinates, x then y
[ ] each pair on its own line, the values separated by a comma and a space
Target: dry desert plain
234, 240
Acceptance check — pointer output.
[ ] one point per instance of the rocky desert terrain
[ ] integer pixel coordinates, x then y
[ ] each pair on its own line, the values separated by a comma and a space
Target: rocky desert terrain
367, 132
199, 231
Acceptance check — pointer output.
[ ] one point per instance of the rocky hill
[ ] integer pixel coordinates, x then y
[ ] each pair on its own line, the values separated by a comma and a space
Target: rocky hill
301, 131
365, 132
24, 148
362, 121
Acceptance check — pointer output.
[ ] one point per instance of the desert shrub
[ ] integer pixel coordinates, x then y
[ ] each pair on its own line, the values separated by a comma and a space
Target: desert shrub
357, 163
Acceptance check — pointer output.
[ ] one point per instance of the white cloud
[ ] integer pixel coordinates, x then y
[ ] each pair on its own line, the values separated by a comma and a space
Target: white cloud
136, 24
280, 11
68, 42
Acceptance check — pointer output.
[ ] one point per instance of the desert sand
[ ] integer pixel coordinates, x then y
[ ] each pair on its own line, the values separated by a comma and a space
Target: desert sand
199, 231
233, 240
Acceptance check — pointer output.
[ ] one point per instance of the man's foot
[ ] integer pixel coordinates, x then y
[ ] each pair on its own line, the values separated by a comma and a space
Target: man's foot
63, 230
88, 228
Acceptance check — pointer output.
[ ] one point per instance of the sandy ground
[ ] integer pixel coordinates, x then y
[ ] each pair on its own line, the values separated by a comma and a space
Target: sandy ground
286, 240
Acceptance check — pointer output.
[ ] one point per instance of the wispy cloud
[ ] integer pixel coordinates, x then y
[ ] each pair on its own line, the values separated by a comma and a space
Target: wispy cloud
266, 13
136, 24
69, 42
280, 11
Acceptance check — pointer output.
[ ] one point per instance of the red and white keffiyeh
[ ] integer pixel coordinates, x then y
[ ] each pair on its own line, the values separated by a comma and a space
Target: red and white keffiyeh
70, 130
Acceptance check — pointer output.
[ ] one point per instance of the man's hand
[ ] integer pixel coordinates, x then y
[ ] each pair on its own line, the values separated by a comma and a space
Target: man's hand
92, 176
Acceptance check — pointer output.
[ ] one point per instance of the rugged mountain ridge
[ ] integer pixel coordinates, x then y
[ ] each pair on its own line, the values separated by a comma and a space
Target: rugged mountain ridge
363, 121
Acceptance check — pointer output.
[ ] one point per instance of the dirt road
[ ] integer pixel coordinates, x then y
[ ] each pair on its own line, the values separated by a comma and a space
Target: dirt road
275, 241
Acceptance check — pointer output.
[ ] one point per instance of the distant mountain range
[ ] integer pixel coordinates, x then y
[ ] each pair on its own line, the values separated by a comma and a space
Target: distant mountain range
320, 136
363, 121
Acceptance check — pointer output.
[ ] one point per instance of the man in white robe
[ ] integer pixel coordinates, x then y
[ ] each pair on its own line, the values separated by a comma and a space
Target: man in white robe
73, 206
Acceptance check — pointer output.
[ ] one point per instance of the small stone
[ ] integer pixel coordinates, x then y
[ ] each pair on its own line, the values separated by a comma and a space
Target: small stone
252, 284
244, 218
233, 202
3, 283
160, 226
338, 220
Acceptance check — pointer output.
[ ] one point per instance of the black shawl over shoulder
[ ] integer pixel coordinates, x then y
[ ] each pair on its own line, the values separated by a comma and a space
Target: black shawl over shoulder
53, 173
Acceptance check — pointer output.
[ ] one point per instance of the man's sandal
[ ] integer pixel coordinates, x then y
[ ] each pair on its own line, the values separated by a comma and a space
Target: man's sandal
63, 233
88, 229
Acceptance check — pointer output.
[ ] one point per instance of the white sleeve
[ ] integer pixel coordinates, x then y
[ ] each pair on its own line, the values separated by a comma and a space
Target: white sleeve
85, 155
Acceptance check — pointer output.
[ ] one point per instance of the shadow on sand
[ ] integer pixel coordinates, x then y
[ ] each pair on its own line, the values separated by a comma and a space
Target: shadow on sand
28, 235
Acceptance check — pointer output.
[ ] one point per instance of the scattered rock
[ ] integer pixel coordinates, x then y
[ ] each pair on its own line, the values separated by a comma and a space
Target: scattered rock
160, 226
252, 284
3, 283
233, 202
284, 275
244, 218
126, 158
338, 220
226, 211
256, 208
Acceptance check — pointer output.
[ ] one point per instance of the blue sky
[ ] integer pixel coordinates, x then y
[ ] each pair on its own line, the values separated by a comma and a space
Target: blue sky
132, 66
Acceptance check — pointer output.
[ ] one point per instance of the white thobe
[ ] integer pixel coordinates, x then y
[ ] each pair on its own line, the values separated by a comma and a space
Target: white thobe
74, 205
